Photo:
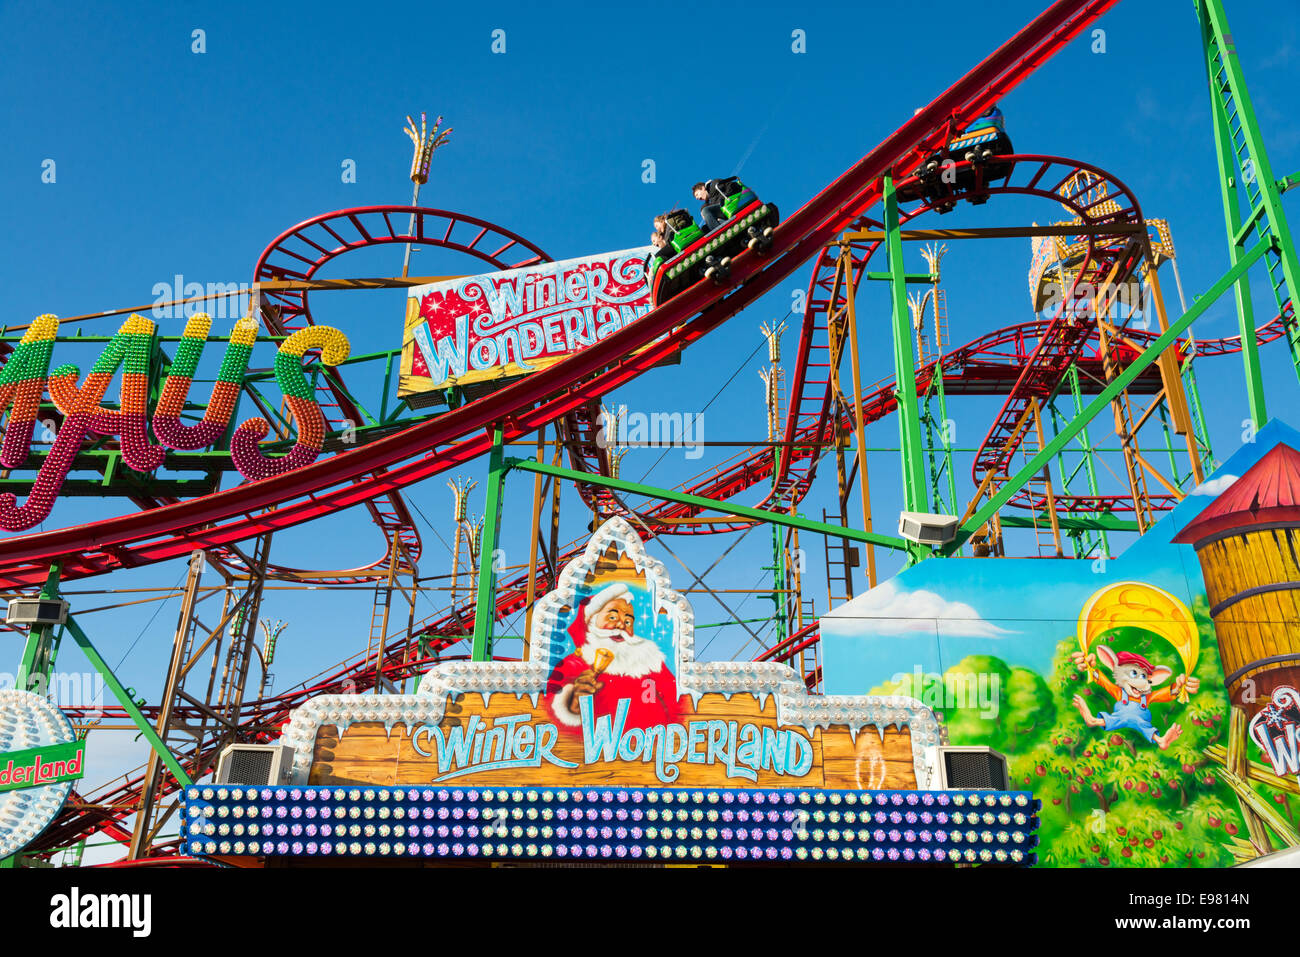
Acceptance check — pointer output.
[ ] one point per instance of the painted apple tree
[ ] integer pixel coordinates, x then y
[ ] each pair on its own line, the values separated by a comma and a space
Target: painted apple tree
1110, 798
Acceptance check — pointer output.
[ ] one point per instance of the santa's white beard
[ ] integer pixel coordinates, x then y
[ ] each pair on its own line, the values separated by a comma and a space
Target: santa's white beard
633, 656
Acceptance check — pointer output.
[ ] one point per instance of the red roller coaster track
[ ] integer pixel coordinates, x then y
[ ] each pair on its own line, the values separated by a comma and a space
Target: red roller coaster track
391, 463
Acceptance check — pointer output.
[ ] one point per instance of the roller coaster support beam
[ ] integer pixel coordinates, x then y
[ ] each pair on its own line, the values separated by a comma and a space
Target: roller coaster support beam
699, 501
1103, 522
1242, 158
42, 644
37, 662
485, 602
142, 837
915, 498
534, 540
859, 427
128, 705
1100, 401
999, 232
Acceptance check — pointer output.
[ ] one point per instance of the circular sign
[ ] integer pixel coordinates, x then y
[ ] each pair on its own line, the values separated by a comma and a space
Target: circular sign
28, 721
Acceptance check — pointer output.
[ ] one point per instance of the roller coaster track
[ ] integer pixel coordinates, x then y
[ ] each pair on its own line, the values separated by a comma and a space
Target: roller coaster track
1092, 195
301, 252
985, 366
427, 448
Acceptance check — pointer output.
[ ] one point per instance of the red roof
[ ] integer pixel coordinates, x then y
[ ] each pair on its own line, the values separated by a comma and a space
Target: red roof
1268, 494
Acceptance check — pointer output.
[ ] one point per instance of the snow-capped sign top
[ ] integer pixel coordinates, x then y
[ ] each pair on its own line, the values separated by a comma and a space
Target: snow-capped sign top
611, 692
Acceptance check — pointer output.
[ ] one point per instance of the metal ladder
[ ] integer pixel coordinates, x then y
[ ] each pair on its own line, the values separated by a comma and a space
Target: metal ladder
844, 562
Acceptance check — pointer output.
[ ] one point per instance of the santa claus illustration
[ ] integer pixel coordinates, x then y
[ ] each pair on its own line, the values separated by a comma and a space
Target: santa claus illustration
611, 662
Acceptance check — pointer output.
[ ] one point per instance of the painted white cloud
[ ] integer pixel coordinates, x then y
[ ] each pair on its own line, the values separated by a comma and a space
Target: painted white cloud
1215, 486
896, 612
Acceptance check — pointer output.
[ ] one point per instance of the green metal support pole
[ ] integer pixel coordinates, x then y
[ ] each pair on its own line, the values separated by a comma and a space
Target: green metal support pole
36, 663
1244, 165
110, 679
779, 599
944, 435
1090, 467
909, 414
1201, 430
1228, 173
485, 601
1077, 524
42, 643
742, 511
1103, 398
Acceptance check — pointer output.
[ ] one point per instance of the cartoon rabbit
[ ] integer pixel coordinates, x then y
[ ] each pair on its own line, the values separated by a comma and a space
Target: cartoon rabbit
1133, 690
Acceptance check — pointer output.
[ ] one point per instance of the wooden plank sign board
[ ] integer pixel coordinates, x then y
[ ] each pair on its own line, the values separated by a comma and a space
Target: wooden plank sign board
725, 742
612, 694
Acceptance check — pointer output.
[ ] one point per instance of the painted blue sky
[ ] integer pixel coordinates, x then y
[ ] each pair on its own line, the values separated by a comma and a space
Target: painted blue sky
1018, 609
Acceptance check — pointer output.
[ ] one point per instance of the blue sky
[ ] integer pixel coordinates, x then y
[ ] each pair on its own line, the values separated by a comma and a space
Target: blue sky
175, 162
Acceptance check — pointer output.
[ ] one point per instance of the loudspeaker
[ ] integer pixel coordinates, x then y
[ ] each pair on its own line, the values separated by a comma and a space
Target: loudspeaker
927, 529
967, 769
255, 764
36, 611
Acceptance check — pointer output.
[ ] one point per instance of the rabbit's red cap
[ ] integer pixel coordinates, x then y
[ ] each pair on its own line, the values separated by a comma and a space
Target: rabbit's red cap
1128, 658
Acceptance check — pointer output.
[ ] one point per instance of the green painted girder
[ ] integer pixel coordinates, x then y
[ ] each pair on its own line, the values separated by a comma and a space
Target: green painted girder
1244, 167
132, 710
485, 601
1105, 522
913, 277
726, 508
915, 491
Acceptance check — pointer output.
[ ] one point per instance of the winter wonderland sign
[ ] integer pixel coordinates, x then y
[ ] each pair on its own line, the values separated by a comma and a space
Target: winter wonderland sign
39, 758
463, 331
612, 693
1276, 729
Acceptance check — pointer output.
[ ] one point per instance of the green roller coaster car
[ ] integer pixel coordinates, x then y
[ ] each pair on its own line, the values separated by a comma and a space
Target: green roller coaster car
691, 254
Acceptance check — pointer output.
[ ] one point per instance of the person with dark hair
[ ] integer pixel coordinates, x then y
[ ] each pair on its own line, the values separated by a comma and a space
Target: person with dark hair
712, 198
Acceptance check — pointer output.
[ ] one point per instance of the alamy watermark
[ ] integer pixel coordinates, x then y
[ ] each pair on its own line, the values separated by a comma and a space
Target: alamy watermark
220, 300
64, 689
1131, 300
624, 429
955, 690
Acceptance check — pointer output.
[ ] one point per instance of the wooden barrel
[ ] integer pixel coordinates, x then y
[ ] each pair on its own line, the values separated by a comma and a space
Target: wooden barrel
1252, 581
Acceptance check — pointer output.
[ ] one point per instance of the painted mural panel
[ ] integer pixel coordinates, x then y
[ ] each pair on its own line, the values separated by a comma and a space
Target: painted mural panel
1148, 700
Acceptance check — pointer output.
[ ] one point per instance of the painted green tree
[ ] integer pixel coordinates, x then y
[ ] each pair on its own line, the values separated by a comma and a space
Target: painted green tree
1109, 798
1112, 798
983, 700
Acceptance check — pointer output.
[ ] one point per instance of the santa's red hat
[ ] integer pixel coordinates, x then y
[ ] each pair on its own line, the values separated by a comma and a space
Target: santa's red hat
592, 605
1129, 658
